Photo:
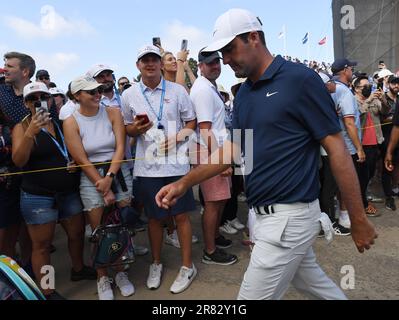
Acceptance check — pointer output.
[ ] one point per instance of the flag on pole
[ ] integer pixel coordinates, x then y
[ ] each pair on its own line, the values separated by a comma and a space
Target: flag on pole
305, 38
323, 41
282, 33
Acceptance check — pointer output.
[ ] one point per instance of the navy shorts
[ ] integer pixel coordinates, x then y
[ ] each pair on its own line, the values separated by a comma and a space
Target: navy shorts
38, 210
9, 207
149, 187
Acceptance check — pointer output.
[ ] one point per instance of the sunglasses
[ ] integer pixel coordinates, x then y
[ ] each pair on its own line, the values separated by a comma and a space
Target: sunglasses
42, 97
44, 78
123, 83
93, 92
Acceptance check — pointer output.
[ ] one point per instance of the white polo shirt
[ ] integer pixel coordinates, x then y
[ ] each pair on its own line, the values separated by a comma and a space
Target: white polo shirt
114, 102
209, 107
177, 110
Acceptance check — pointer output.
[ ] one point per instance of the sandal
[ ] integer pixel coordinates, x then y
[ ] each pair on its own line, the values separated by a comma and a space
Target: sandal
371, 211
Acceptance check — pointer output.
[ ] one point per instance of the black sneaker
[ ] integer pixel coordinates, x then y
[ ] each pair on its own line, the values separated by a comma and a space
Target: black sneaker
223, 243
219, 257
390, 204
341, 230
86, 273
140, 225
55, 296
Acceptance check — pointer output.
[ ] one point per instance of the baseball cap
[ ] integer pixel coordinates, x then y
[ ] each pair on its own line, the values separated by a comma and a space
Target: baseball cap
207, 57
149, 49
384, 73
42, 73
325, 77
393, 78
231, 24
84, 83
56, 91
341, 64
34, 87
95, 70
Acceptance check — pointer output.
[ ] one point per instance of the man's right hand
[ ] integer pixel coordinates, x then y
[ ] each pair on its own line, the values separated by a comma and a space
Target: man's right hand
388, 162
140, 127
363, 234
167, 197
361, 155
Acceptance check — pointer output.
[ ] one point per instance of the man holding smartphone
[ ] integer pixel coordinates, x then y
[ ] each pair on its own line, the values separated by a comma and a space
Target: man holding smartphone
172, 118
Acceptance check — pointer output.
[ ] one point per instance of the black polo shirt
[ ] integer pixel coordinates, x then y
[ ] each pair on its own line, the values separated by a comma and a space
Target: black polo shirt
290, 111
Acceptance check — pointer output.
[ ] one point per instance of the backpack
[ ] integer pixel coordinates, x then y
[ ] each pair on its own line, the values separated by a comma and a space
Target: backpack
15, 283
112, 241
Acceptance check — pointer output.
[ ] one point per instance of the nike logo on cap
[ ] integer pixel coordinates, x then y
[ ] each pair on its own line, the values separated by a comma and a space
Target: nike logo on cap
268, 95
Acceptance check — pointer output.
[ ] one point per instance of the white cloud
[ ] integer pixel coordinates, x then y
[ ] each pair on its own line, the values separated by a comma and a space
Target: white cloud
176, 31
56, 63
51, 25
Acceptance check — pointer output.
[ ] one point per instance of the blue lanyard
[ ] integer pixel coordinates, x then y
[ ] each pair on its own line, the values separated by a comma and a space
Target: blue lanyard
63, 149
219, 94
160, 114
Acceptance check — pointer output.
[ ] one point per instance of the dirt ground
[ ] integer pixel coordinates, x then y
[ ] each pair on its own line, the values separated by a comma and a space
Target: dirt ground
376, 272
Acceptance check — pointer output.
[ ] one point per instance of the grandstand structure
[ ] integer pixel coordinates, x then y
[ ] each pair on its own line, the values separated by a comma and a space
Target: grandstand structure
375, 36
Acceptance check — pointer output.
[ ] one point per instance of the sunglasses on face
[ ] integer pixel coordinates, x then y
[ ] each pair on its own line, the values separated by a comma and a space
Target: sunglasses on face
121, 84
44, 78
42, 97
93, 92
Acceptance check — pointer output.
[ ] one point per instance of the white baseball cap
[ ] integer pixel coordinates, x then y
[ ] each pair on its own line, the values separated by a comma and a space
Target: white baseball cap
56, 91
325, 77
147, 50
384, 73
34, 87
231, 24
95, 70
84, 83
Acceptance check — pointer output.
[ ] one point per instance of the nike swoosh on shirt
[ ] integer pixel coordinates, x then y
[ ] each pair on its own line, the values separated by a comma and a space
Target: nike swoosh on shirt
268, 95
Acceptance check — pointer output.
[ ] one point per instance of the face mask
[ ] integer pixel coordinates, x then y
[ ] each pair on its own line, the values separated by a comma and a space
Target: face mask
366, 92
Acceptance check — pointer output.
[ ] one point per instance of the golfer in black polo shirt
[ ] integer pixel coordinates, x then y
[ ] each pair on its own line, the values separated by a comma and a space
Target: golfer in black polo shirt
291, 114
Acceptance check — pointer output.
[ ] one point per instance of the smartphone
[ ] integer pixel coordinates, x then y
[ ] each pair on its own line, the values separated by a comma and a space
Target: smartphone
143, 116
156, 41
41, 107
184, 44
380, 86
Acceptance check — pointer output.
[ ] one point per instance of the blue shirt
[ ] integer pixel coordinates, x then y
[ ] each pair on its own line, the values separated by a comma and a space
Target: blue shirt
290, 111
346, 106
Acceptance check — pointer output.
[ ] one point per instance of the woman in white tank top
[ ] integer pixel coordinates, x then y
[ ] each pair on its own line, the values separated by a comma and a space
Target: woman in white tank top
97, 134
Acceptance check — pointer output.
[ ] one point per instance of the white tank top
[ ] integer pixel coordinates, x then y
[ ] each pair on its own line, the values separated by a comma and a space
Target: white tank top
97, 136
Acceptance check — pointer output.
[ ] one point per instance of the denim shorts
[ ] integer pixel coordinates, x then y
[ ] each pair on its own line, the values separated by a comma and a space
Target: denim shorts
149, 187
38, 210
92, 199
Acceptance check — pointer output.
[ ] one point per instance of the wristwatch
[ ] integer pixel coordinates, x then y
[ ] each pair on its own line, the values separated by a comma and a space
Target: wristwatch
110, 174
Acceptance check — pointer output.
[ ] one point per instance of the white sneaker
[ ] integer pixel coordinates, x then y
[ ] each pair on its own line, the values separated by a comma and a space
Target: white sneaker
184, 279
104, 289
140, 250
154, 276
236, 224
88, 231
124, 285
172, 239
228, 228
194, 239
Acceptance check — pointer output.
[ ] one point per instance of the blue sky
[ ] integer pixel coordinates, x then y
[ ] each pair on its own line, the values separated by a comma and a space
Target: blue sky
67, 37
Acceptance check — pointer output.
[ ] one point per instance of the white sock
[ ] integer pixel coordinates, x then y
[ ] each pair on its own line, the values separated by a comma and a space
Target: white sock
344, 219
